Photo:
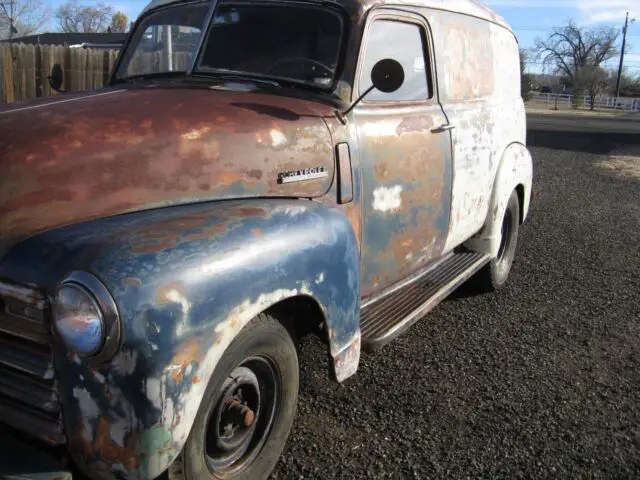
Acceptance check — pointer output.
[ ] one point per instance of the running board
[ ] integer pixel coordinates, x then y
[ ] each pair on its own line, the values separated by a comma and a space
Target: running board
390, 315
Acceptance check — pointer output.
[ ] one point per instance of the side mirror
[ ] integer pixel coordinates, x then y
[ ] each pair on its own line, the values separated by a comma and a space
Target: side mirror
387, 75
56, 79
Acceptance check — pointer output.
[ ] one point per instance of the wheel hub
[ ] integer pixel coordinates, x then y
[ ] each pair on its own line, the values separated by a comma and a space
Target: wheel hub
242, 417
238, 403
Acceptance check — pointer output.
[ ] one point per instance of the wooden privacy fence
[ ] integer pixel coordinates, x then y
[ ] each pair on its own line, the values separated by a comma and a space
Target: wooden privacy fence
24, 69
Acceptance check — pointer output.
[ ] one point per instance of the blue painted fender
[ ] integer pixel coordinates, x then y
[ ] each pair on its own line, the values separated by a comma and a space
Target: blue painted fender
186, 280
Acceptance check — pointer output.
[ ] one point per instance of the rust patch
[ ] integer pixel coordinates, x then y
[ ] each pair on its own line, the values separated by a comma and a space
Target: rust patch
208, 232
168, 233
166, 293
202, 148
80, 444
113, 453
255, 173
190, 353
354, 214
153, 248
381, 170
243, 212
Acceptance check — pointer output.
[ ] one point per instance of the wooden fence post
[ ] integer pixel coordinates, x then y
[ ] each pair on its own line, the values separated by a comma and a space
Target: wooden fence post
8, 73
69, 84
38, 72
3, 96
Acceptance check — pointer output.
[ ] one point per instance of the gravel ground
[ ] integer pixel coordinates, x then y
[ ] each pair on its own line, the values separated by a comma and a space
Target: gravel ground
541, 379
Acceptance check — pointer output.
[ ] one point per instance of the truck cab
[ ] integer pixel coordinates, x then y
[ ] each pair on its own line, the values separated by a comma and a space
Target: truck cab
255, 171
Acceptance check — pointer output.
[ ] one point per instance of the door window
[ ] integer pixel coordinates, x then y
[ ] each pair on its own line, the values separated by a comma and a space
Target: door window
405, 43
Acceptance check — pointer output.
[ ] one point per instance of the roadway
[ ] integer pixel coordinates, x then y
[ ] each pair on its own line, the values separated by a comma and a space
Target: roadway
597, 134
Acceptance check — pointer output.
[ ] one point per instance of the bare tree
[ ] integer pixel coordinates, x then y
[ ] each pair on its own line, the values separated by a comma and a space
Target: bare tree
629, 85
119, 22
74, 17
525, 78
22, 17
592, 80
571, 48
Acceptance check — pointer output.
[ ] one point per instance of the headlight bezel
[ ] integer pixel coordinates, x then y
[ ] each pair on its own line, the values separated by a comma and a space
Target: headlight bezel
102, 298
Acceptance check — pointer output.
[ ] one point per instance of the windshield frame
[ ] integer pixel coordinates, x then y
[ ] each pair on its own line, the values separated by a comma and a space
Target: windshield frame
133, 40
195, 68
200, 69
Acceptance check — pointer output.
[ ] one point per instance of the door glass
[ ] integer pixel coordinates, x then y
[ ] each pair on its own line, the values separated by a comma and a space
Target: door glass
402, 42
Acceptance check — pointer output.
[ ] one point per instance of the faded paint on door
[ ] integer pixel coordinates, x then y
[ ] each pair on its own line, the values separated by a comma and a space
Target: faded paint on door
406, 168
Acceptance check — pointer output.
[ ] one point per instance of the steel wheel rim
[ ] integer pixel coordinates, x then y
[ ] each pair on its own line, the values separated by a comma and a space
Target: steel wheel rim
230, 451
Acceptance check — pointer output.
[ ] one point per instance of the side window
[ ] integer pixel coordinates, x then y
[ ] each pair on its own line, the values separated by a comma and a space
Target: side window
403, 42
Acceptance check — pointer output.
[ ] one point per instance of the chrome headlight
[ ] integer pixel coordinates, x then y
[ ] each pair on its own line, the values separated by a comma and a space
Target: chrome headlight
85, 316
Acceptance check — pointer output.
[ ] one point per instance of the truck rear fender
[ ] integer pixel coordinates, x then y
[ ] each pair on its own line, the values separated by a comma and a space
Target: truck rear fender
515, 172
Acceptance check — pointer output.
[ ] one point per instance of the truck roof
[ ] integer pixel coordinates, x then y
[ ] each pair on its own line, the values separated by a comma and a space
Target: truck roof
474, 8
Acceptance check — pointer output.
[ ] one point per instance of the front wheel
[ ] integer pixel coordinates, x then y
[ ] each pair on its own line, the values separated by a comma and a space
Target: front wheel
248, 408
494, 275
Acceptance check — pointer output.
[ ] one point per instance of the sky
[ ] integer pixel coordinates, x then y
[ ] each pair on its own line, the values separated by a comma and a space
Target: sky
529, 19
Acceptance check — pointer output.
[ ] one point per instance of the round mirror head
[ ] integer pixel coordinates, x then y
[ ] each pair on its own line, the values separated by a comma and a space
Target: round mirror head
57, 77
387, 75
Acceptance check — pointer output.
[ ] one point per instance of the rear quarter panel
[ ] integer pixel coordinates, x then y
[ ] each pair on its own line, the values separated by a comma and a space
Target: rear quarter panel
479, 84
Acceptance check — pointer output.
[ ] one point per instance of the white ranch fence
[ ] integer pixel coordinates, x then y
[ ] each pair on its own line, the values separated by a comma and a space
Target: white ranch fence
584, 101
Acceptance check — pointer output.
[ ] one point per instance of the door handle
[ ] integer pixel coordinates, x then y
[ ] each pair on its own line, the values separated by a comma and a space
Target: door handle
443, 128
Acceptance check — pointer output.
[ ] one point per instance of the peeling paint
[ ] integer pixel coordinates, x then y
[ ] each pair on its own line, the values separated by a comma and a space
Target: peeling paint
387, 199
346, 361
125, 362
89, 409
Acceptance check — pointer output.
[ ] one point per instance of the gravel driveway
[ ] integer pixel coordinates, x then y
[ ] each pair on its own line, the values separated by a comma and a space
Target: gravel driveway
539, 380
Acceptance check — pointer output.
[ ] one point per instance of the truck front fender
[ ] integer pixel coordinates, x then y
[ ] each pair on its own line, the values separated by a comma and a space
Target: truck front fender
186, 280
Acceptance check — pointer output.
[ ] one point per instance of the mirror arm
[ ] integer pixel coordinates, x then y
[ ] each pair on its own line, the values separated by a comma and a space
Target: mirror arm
341, 115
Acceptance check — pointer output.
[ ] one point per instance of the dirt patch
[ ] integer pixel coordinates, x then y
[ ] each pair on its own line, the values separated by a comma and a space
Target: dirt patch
623, 162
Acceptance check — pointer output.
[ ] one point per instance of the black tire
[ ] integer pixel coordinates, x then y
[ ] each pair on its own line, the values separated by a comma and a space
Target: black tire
494, 275
262, 352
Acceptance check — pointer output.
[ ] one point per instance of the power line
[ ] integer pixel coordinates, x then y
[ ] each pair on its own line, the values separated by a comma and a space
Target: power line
544, 29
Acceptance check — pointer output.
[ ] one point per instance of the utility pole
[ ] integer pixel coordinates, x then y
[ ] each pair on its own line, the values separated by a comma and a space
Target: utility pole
624, 43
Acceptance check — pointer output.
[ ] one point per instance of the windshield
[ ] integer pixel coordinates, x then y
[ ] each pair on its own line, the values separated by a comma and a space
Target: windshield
165, 42
297, 43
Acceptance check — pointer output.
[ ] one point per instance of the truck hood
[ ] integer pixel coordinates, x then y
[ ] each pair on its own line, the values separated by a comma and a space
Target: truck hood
84, 156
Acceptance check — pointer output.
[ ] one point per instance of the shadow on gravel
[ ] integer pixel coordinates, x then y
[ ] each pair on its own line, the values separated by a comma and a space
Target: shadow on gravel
466, 290
587, 142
